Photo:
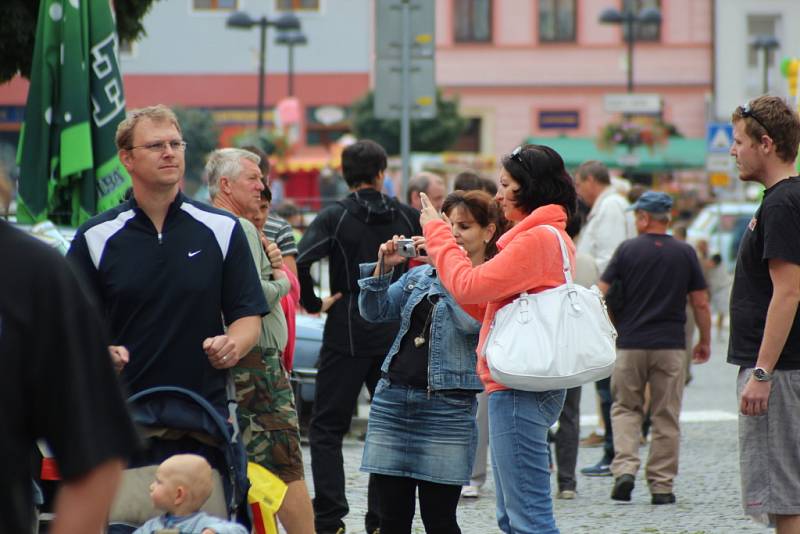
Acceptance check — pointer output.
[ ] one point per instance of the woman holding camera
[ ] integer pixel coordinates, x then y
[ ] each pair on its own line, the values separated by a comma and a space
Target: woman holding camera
534, 190
421, 431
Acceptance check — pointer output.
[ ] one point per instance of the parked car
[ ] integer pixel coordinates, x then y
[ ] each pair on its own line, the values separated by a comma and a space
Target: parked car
306, 359
721, 225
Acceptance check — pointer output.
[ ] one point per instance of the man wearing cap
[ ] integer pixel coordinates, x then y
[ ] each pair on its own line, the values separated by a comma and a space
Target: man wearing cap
656, 273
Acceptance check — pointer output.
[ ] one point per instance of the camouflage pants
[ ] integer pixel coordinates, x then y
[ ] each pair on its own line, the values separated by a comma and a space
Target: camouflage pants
267, 415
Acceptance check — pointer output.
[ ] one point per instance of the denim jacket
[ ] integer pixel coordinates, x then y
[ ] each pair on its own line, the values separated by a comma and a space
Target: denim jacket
454, 333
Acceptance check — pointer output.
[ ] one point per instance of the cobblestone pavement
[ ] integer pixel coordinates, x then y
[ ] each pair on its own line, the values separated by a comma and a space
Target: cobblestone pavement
707, 487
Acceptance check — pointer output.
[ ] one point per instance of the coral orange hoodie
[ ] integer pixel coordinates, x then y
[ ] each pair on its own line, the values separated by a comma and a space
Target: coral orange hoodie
529, 259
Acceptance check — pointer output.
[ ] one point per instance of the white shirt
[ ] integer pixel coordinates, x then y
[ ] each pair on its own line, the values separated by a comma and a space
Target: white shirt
607, 225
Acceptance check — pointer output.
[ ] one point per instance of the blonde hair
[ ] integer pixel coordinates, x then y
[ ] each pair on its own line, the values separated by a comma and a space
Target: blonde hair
157, 113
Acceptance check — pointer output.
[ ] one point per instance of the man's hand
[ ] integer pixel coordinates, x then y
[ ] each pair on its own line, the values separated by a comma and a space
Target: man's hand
222, 351
755, 397
275, 256
327, 302
701, 352
264, 242
119, 356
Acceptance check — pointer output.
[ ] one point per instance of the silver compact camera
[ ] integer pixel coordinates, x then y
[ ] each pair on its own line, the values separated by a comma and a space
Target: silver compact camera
406, 248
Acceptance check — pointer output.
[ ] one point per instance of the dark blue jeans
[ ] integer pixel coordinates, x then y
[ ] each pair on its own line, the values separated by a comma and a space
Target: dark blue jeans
604, 391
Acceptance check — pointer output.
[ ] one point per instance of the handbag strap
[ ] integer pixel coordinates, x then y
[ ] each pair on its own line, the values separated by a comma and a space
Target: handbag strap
564, 259
564, 254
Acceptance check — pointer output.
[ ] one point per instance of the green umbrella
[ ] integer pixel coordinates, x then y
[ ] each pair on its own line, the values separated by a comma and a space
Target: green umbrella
69, 169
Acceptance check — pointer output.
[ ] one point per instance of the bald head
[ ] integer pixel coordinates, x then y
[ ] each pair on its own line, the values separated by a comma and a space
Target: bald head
192, 472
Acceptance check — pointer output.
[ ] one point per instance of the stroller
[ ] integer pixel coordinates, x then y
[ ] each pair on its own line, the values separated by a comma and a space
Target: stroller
173, 421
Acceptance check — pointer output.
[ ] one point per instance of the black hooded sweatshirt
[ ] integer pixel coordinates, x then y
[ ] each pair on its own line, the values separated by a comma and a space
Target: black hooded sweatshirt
348, 233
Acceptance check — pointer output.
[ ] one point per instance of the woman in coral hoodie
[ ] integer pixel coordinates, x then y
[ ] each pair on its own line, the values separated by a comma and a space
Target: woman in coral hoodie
534, 190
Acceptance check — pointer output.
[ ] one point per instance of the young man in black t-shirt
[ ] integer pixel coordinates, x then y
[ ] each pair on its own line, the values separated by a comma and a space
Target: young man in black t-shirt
657, 273
765, 329
57, 384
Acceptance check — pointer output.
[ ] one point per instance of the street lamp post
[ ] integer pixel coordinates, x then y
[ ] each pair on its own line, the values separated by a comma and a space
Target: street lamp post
291, 39
243, 21
630, 20
767, 43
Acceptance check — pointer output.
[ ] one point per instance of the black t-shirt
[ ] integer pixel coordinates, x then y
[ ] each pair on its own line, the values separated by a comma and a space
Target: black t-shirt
657, 273
773, 233
57, 381
410, 365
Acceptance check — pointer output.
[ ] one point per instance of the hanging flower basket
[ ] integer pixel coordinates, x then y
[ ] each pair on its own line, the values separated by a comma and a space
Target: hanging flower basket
634, 132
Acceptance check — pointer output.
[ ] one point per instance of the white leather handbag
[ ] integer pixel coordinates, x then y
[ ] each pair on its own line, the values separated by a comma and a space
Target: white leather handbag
558, 338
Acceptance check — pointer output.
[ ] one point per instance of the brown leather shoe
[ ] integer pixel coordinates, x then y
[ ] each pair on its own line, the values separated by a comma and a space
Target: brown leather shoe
592, 440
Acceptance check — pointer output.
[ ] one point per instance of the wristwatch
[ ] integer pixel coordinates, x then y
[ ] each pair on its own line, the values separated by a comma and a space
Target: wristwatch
761, 375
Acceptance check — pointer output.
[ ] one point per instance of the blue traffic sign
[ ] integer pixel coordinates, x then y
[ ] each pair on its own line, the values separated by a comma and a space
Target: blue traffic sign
719, 137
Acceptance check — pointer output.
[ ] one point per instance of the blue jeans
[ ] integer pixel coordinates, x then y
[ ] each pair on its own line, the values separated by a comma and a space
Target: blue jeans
518, 425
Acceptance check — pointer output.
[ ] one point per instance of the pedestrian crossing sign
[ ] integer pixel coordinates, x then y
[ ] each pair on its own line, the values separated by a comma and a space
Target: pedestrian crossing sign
719, 137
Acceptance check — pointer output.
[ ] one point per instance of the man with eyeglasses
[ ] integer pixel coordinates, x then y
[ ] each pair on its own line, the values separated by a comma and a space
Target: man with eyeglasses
167, 270
765, 329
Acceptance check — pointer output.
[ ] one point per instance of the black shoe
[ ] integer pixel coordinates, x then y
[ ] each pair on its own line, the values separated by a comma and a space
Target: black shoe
600, 469
663, 498
623, 487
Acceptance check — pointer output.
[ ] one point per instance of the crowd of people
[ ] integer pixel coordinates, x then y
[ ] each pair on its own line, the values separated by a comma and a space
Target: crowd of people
164, 290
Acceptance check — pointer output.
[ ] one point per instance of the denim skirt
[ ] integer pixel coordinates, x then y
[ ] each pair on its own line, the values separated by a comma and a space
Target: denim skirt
424, 435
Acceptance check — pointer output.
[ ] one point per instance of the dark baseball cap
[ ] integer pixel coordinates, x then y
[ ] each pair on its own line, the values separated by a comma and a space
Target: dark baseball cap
653, 202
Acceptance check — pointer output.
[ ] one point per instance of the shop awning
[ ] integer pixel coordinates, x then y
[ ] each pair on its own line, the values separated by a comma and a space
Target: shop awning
679, 153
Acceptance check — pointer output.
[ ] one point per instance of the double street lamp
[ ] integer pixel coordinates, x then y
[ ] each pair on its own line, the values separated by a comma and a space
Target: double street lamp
243, 21
630, 20
767, 43
291, 39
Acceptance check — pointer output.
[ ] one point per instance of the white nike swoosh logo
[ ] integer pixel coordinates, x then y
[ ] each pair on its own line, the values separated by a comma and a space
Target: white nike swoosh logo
195, 253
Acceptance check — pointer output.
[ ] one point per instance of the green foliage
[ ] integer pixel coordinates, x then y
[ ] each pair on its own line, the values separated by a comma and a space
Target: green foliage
427, 135
18, 31
201, 134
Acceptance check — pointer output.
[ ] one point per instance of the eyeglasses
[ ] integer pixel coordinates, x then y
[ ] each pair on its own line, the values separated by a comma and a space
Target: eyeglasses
161, 146
746, 112
516, 155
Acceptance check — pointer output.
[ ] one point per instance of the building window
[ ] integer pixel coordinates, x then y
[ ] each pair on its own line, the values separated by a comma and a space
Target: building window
556, 20
642, 32
297, 5
214, 5
470, 138
473, 21
758, 25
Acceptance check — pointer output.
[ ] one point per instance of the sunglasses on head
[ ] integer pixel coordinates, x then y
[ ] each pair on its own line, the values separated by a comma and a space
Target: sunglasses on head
516, 155
745, 111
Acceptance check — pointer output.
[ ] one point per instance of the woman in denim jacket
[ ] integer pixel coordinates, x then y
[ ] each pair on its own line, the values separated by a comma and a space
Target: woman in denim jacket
422, 431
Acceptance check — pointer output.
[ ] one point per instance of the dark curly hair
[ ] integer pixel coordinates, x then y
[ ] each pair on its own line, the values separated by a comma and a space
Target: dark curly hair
483, 209
542, 179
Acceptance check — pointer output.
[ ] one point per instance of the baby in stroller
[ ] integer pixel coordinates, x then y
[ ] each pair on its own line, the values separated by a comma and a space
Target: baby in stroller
182, 485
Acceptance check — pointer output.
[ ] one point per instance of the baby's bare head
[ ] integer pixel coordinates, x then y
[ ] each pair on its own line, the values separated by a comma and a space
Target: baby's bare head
193, 473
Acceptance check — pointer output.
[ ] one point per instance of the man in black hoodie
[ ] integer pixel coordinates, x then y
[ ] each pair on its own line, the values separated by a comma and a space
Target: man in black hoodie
348, 233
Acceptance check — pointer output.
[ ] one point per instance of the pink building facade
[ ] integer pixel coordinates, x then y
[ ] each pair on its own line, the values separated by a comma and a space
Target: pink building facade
542, 68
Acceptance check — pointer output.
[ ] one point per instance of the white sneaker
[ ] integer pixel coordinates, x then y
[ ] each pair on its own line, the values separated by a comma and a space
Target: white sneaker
470, 492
